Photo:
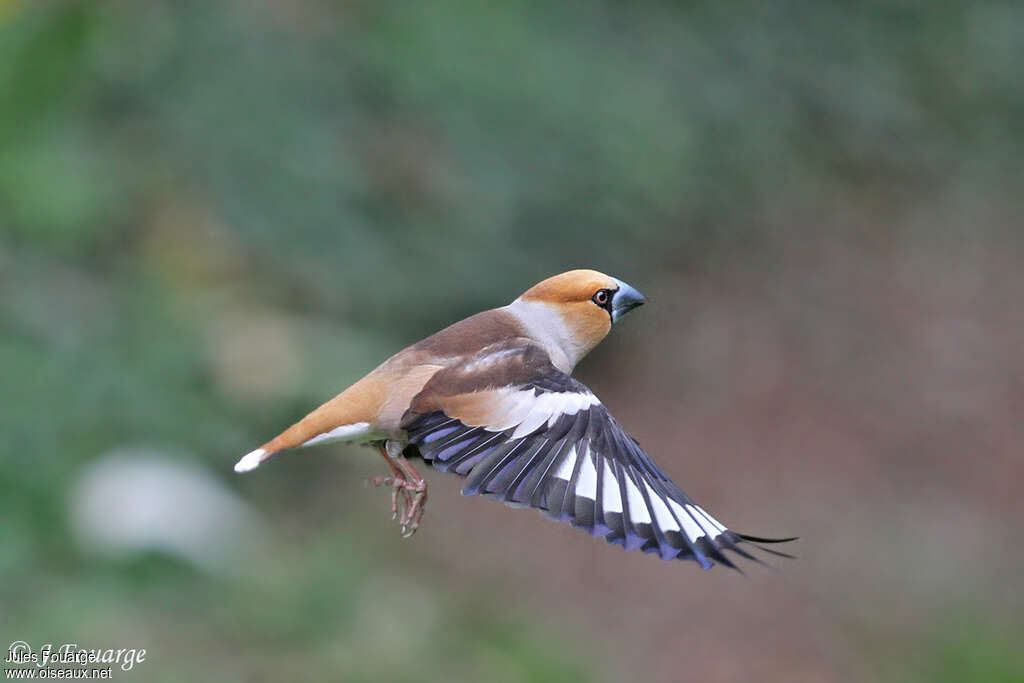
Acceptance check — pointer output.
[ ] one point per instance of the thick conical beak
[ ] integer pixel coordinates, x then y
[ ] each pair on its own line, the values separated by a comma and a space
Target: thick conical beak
625, 300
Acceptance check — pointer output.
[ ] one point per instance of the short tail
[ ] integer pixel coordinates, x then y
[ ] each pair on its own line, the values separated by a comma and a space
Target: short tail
309, 432
346, 417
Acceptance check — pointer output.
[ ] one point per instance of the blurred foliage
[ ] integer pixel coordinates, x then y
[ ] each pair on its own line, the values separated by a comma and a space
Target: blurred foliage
212, 214
976, 654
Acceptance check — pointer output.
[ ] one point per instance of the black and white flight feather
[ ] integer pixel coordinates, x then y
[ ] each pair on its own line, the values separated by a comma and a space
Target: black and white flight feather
523, 432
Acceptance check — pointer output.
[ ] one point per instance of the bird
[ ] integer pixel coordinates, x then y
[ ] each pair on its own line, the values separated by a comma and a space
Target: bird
492, 398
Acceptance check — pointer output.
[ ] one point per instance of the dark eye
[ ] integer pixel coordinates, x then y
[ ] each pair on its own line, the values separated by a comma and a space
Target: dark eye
602, 297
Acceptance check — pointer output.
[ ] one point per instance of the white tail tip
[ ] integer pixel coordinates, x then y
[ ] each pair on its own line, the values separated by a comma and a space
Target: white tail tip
250, 461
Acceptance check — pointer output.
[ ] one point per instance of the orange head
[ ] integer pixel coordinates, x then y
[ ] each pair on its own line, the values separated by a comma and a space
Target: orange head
576, 309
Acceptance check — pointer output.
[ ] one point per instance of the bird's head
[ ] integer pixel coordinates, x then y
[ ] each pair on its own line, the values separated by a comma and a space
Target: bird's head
577, 309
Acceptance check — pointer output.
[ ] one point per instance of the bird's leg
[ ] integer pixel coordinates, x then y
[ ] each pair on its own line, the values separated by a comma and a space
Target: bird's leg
396, 481
415, 483
406, 480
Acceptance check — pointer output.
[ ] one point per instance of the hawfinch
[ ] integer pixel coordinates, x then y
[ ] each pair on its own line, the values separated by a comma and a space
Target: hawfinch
491, 398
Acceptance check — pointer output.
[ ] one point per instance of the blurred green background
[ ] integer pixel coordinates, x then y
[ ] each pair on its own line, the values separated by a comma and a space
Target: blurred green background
215, 215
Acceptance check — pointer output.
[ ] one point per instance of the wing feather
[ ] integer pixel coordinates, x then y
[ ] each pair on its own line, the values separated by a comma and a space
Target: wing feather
527, 434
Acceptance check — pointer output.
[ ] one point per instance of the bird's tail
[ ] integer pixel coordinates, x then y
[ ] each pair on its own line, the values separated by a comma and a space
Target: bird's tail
252, 460
346, 417
293, 437
303, 434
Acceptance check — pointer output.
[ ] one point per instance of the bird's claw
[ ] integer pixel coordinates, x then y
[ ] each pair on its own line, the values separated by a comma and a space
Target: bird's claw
414, 498
413, 513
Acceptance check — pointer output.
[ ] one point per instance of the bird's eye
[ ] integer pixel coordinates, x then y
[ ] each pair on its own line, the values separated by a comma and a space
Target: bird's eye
602, 297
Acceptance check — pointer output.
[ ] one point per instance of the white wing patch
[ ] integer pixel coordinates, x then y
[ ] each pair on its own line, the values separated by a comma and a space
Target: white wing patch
638, 513
693, 532
509, 411
586, 484
526, 412
694, 521
661, 512
567, 465
540, 413
611, 499
714, 522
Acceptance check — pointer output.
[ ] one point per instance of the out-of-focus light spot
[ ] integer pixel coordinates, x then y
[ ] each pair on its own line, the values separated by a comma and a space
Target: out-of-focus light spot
138, 500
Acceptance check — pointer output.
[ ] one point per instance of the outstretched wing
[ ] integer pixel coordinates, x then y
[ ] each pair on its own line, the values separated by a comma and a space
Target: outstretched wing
525, 433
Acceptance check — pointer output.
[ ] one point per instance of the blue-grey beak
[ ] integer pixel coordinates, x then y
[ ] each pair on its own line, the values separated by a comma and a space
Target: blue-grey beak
625, 300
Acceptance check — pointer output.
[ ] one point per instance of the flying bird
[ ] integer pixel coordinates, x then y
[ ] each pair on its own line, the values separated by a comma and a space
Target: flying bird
491, 398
